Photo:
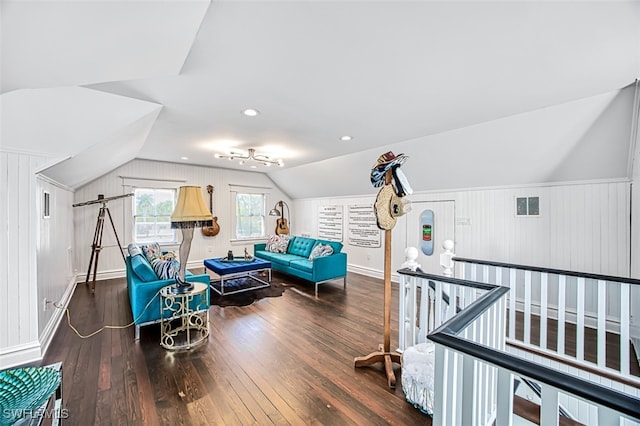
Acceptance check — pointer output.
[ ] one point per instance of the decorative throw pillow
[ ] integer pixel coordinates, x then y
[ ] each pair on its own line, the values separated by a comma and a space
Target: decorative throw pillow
165, 269
321, 250
277, 243
133, 249
152, 251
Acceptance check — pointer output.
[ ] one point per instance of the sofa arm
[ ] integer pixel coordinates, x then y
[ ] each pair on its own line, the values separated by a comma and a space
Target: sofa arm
329, 267
141, 293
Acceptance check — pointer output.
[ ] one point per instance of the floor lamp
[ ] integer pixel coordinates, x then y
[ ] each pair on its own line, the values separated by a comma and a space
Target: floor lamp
191, 211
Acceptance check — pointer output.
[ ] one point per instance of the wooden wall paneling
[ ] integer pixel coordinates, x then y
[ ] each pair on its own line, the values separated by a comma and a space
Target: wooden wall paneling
19, 287
4, 250
16, 262
613, 228
624, 221
562, 216
597, 228
54, 248
28, 232
590, 233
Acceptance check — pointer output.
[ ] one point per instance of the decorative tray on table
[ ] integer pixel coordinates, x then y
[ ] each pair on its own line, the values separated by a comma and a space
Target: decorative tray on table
237, 259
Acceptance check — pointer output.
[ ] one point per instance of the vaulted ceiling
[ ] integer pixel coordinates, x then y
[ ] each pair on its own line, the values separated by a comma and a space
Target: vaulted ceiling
477, 93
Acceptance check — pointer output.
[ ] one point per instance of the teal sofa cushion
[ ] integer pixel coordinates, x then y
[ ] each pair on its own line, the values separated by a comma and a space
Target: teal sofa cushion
301, 246
142, 269
280, 258
302, 264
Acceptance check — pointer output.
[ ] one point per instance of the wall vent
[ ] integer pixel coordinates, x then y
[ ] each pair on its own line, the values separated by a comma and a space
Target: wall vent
527, 206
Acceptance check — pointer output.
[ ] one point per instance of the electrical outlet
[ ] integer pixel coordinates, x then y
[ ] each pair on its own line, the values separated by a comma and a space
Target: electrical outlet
209, 249
44, 304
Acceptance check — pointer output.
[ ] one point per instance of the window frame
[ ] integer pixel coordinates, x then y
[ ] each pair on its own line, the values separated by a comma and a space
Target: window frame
236, 190
129, 185
174, 236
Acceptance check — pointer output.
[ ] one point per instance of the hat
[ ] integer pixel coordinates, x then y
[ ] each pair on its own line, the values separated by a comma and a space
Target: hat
384, 163
400, 182
399, 206
382, 208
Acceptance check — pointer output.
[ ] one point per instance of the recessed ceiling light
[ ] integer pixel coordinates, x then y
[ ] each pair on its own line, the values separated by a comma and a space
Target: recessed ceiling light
250, 112
184, 158
346, 138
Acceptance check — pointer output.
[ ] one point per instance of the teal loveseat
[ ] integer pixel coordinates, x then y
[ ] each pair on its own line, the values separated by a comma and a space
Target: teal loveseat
144, 285
295, 261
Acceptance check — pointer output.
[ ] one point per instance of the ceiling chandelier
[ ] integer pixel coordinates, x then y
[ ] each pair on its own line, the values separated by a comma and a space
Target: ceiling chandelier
251, 157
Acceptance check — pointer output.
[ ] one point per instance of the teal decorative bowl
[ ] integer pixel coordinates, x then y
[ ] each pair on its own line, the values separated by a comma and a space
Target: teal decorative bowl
24, 390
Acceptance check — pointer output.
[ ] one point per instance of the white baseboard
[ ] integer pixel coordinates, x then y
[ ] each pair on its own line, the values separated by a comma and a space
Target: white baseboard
104, 275
33, 352
19, 355
370, 272
54, 322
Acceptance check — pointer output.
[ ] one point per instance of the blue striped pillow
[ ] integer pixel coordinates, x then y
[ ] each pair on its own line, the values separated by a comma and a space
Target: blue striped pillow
165, 269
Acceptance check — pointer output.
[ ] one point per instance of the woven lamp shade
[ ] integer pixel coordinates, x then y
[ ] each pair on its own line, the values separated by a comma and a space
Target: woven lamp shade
191, 210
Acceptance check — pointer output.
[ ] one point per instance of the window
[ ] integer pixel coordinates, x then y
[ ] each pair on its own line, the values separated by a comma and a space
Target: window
250, 215
527, 206
152, 215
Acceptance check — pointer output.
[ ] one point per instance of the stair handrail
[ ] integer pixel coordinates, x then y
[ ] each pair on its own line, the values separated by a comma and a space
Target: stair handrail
625, 280
576, 302
447, 335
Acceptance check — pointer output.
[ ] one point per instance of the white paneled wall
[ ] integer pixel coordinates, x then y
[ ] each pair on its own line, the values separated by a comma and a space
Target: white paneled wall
54, 252
18, 270
110, 261
582, 227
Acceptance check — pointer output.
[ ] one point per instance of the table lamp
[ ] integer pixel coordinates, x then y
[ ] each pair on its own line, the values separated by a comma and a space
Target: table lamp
191, 211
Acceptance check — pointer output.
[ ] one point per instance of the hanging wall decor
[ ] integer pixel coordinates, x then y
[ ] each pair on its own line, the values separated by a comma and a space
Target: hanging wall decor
426, 230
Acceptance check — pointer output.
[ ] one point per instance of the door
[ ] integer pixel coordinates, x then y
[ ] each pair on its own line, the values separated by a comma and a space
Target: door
428, 224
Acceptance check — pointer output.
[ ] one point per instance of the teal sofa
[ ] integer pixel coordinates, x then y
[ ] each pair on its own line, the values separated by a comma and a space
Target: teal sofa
296, 260
144, 285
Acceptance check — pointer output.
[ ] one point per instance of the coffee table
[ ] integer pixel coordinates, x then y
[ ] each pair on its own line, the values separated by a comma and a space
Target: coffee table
238, 268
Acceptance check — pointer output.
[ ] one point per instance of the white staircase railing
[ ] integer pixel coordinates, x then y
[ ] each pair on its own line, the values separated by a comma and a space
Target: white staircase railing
475, 374
567, 307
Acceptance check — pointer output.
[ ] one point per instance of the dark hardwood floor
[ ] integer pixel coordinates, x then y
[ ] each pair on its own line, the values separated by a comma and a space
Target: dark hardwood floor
283, 360
590, 348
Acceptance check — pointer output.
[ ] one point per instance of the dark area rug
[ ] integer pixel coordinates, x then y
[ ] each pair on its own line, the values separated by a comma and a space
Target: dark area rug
245, 298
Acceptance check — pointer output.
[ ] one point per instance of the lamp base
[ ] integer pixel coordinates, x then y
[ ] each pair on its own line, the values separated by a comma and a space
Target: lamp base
181, 286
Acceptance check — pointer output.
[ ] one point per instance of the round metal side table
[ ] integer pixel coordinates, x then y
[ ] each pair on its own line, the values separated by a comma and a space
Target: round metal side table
184, 317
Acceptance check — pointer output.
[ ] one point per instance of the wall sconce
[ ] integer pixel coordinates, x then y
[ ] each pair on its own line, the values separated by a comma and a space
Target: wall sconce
282, 227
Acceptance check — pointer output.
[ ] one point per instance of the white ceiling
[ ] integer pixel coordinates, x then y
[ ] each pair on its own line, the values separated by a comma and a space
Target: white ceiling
463, 83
